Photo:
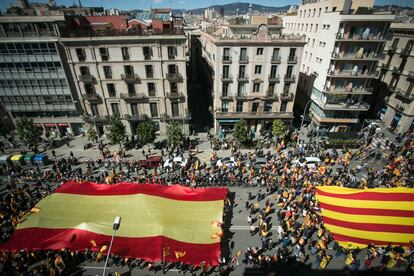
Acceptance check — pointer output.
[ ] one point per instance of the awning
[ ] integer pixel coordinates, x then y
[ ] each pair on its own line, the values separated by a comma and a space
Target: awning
228, 121
29, 157
5, 157
40, 157
17, 157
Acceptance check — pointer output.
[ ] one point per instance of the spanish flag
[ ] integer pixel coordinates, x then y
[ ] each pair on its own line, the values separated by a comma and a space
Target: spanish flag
154, 217
357, 217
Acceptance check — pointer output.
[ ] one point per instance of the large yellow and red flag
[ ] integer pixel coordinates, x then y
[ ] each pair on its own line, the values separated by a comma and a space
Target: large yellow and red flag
357, 217
154, 217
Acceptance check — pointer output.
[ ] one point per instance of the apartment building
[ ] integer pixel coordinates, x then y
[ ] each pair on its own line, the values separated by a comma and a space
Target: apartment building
254, 71
135, 73
396, 71
344, 44
33, 73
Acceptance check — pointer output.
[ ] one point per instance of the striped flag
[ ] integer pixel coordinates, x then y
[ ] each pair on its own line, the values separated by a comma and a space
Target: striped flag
357, 217
154, 217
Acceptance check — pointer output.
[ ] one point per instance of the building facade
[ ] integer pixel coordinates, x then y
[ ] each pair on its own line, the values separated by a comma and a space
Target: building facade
255, 72
344, 44
135, 74
396, 71
33, 74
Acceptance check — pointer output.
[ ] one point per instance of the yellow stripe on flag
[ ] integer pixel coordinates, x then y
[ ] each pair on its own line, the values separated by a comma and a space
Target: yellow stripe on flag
377, 204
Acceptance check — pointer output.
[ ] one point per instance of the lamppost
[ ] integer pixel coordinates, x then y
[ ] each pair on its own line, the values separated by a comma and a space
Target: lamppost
96, 129
117, 223
179, 101
303, 119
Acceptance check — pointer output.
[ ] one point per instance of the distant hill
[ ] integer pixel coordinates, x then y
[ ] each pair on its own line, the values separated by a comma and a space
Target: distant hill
391, 8
230, 9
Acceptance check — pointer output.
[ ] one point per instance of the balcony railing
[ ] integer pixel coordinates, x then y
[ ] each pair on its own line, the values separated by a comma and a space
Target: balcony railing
274, 78
131, 78
373, 37
290, 78
353, 90
125, 57
275, 59
134, 97
243, 78
226, 78
240, 96
136, 117
87, 78
405, 52
243, 59
287, 96
362, 106
226, 59
350, 56
402, 94
226, 96
350, 74
177, 95
271, 95
91, 97
255, 115
115, 32
292, 59
177, 77
410, 75
391, 50
171, 56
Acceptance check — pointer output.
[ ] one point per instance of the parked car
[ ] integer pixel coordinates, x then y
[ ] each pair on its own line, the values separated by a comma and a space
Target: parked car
176, 161
151, 162
309, 162
259, 162
227, 161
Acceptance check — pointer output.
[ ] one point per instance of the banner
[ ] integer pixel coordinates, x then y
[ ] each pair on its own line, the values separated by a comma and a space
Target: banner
154, 218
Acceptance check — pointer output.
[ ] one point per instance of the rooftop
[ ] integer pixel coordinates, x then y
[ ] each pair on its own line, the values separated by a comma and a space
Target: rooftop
114, 32
30, 18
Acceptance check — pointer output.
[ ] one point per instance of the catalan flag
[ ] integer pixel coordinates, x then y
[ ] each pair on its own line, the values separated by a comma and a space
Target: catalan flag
357, 217
154, 217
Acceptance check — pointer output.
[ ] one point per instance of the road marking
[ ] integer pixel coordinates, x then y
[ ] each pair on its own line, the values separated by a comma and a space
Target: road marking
93, 267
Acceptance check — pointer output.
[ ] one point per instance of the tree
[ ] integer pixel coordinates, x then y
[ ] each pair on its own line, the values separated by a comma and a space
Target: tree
26, 131
240, 131
91, 133
116, 130
146, 132
278, 129
174, 133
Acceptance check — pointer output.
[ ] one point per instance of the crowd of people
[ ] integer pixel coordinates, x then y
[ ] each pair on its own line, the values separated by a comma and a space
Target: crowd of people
286, 199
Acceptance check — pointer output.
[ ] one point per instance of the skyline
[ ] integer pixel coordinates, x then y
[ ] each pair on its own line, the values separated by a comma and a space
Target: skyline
182, 4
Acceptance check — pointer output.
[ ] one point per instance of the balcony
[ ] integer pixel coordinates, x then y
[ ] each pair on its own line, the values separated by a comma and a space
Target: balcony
243, 59
391, 50
290, 78
87, 78
343, 106
226, 59
270, 95
241, 96
355, 56
274, 78
175, 96
135, 118
351, 74
292, 59
405, 53
243, 78
254, 115
358, 37
147, 56
131, 78
125, 57
134, 97
175, 77
396, 71
227, 97
171, 56
95, 118
92, 97
226, 78
287, 96
410, 76
275, 59
352, 91
334, 119
402, 95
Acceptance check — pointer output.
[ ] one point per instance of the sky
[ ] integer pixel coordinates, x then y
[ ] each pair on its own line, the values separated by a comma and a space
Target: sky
183, 4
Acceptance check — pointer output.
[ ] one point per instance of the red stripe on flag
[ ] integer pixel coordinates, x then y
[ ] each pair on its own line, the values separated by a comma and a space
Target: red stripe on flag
370, 196
149, 248
375, 227
176, 192
367, 211
344, 238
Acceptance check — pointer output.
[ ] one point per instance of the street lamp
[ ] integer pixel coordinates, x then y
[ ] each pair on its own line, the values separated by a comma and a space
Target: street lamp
117, 223
179, 101
96, 129
304, 112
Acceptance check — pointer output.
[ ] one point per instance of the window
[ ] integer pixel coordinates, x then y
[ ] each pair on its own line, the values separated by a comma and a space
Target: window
125, 53
243, 54
172, 69
172, 52
409, 46
286, 88
80, 53
111, 89
115, 108
149, 73
94, 109
306, 55
273, 71
271, 89
316, 28
289, 70
129, 71
310, 56
313, 42
174, 109
275, 54
292, 54
328, 26
283, 106
226, 54
311, 28
84, 70
225, 90
333, 9
314, 11
306, 28
224, 106
395, 42
300, 13
242, 71
107, 72
134, 109
239, 106
104, 54
259, 51
89, 88
173, 87
131, 88
319, 12
256, 87
147, 52
255, 106
268, 106
240, 89
151, 89
225, 71
153, 110
326, 9
258, 69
